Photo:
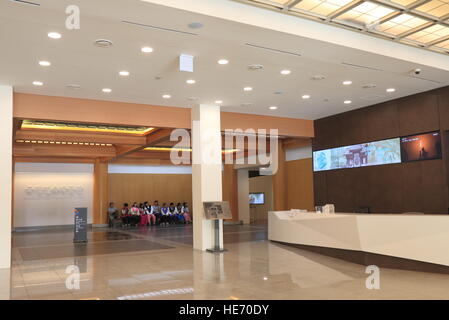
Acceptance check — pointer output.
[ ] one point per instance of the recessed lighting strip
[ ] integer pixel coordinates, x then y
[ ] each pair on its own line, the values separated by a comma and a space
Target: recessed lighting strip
225, 151
92, 144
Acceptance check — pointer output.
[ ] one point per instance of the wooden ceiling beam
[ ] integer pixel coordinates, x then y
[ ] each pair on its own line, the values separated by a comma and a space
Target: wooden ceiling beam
48, 150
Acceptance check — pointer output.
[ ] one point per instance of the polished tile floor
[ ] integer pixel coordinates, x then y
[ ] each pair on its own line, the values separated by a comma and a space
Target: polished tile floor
159, 263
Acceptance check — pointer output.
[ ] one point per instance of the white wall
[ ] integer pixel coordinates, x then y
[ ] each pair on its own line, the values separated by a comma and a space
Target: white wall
46, 193
6, 106
298, 153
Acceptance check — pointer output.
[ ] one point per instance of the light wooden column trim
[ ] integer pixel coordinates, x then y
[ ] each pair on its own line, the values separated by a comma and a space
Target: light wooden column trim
101, 193
230, 191
280, 182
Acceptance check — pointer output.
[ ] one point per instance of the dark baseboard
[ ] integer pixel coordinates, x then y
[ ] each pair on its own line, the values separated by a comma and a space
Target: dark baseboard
380, 260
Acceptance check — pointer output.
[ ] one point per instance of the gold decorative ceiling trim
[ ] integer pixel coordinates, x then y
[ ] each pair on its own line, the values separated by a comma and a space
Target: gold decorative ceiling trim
67, 126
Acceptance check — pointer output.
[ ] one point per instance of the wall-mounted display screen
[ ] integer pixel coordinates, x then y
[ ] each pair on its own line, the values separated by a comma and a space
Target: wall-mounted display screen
359, 155
257, 198
424, 146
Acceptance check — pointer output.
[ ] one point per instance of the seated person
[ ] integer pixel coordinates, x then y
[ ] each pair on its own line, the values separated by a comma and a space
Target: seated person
186, 213
156, 210
173, 213
125, 215
143, 215
135, 214
165, 215
179, 214
151, 217
113, 214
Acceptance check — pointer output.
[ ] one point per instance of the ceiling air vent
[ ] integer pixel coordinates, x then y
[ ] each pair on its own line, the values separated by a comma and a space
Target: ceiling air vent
147, 26
360, 66
26, 2
272, 49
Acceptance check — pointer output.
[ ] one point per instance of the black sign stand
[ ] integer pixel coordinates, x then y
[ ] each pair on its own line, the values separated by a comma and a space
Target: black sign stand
217, 248
80, 227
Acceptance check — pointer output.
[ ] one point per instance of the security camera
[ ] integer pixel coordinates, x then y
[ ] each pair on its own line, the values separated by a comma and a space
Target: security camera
416, 71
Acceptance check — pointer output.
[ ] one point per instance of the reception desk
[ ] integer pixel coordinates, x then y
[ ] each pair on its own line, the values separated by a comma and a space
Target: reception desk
404, 241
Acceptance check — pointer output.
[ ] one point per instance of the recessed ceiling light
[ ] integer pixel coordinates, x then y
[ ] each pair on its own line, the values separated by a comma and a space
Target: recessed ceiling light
107, 90
391, 90
38, 83
219, 101
124, 73
347, 82
166, 96
247, 89
54, 35
190, 81
44, 63
223, 61
306, 96
147, 49
285, 72
347, 102
273, 108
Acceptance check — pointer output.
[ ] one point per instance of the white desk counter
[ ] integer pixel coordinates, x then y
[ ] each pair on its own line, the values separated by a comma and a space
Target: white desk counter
422, 238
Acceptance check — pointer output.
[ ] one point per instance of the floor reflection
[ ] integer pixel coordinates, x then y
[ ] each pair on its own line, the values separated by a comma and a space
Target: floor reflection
159, 263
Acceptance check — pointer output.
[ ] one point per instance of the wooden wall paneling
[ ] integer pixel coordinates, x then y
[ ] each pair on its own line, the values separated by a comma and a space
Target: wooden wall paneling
299, 177
341, 189
433, 191
320, 188
418, 113
381, 121
352, 128
379, 188
416, 186
100, 199
443, 107
149, 187
411, 187
280, 182
230, 192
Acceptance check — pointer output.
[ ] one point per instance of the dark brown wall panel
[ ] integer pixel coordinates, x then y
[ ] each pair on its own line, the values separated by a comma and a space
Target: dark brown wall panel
418, 113
319, 188
408, 187
443, 104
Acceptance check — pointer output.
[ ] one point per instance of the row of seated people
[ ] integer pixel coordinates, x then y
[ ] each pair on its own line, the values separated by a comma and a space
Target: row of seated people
145, 214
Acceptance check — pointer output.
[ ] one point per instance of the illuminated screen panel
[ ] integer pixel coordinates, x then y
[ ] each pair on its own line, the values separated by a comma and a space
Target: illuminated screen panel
425, 146
359, 155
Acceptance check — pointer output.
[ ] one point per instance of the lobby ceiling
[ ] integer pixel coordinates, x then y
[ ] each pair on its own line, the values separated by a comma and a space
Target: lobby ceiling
78, 68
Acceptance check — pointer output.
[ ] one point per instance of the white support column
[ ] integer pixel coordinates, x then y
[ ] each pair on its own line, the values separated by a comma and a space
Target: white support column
5, 175
206, 171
